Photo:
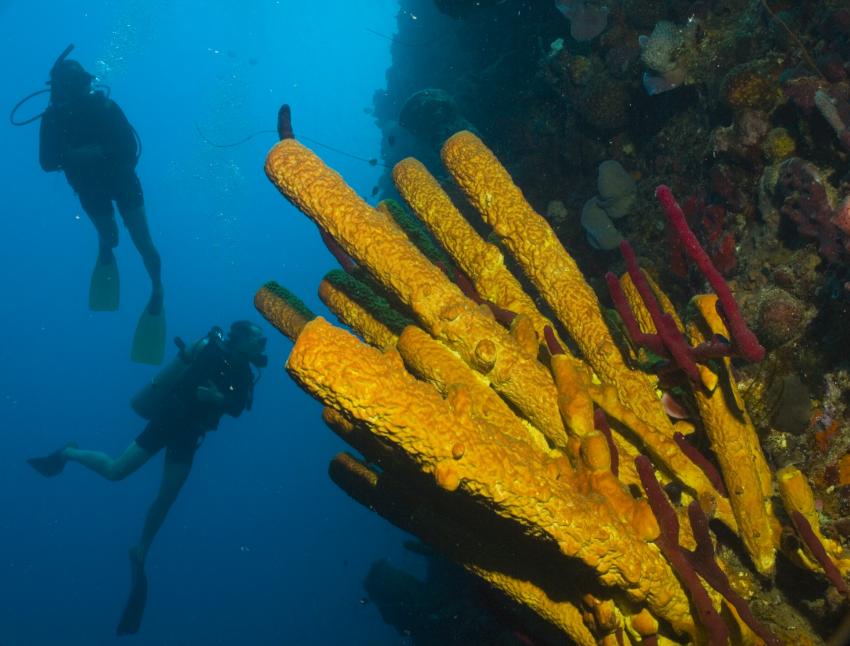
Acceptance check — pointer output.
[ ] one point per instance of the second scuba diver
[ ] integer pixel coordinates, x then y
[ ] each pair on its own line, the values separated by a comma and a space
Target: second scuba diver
86, 135
187, 399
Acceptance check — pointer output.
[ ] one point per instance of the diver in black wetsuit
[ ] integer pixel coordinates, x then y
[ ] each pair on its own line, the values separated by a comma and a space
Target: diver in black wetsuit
86, 135
185, 401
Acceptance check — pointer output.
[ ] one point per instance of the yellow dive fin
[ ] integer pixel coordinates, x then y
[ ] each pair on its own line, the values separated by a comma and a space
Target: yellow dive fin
104, 288
149, 339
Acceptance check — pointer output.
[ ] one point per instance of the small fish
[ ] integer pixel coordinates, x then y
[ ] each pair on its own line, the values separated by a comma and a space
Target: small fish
375, 190
391, 140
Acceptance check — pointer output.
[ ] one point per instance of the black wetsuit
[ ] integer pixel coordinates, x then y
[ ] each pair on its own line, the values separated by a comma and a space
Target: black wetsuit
184, 420
94, 120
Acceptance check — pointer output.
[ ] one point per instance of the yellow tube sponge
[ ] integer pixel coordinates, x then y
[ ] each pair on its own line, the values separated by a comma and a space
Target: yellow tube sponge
414, 512
401, 268
282, 308
504, 475
533, 243
798, 496
356, 316
735, 443
432, 361
536, 248
480, 260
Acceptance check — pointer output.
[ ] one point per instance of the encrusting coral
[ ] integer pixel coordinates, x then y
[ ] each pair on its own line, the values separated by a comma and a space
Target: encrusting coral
486, 423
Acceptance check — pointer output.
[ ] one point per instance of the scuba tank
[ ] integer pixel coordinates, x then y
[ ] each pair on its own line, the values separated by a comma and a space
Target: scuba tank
153, 398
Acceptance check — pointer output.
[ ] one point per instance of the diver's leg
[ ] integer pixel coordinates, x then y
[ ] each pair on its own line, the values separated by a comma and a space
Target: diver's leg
137, 225
98, 207
131, 204
174, 474
104, 286
133, 457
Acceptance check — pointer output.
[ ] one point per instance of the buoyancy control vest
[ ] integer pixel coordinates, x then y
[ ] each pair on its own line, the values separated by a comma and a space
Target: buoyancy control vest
153, 398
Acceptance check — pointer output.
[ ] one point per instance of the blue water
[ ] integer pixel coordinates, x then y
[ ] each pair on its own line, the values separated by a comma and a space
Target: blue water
260, 548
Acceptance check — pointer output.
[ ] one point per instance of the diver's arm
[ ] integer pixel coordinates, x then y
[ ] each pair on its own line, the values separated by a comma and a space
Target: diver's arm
234, 403
200, 379
209, 394
119, 142
209, 381
229, 401
49, 143
196, 383
234, 390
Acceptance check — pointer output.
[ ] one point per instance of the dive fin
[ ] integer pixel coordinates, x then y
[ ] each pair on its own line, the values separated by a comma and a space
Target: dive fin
131, 619
149, 339
52, 464
105, 287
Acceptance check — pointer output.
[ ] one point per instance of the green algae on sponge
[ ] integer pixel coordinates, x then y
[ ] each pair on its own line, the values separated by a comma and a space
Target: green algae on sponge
416, 231
282, 308
366, 297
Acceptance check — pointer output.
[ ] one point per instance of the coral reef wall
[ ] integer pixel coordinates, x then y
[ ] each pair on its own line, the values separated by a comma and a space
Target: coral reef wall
741, 106
566, 419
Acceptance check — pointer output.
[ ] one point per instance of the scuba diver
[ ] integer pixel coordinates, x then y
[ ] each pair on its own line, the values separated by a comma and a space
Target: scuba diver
206, 380
86, 135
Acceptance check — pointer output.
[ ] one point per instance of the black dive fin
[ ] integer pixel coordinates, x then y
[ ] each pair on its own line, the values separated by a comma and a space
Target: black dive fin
49, 465
135, 608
